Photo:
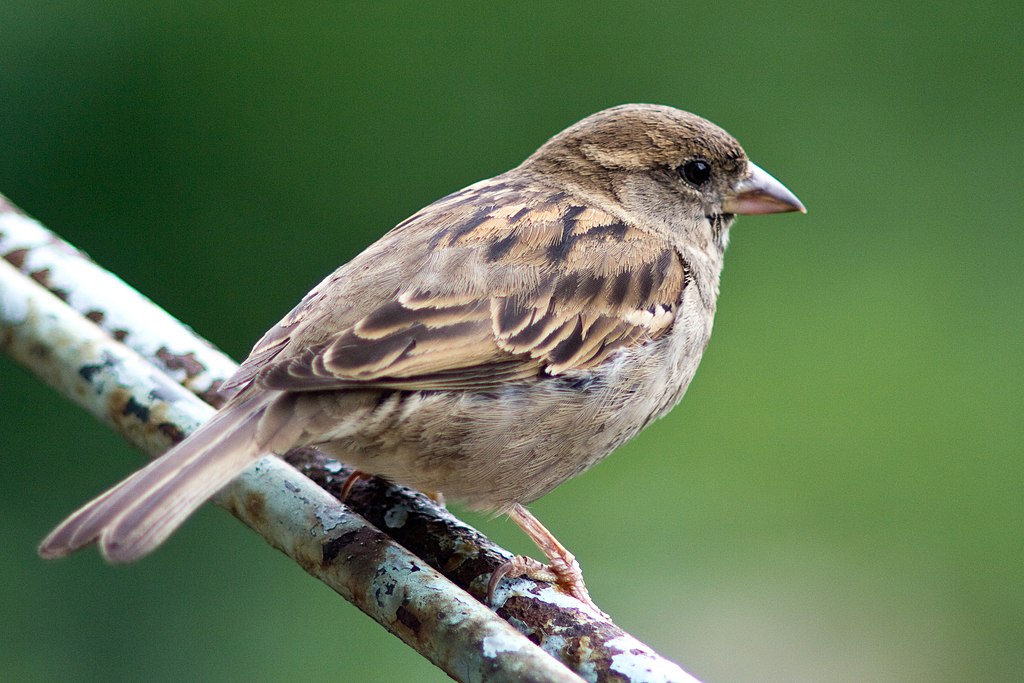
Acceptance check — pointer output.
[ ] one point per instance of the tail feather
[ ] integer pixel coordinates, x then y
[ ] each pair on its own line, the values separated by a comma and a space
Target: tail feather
133, 518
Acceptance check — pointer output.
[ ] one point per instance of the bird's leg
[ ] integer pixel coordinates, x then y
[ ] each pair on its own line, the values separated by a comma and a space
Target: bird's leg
563, 570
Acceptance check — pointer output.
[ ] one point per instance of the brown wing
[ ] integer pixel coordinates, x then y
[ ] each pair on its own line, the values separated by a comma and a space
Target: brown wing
492, 284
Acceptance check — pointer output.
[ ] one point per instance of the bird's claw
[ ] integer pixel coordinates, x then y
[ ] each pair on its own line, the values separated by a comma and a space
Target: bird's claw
563, 572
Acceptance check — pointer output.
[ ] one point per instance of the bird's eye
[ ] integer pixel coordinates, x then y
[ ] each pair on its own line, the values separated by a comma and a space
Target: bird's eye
696, 172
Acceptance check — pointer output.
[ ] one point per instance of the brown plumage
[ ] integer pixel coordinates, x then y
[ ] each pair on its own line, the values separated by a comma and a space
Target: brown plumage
496, 343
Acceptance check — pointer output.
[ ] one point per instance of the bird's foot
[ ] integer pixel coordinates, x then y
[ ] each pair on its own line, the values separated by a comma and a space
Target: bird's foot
564, 573
563, 570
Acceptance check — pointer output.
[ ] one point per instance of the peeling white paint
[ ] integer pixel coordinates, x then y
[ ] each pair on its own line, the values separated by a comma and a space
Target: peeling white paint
551, 595
330, 518
13, 305
638, 664
396, 516
500, 643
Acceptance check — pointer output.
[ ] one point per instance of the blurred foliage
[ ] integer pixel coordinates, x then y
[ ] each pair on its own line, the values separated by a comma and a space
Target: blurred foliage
837, 499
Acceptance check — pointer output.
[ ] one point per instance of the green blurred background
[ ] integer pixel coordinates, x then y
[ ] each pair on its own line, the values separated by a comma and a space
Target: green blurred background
837, 499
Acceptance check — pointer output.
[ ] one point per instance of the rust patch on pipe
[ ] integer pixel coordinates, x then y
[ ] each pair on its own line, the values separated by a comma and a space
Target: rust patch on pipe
16, 257
255, 506
171, 431
408, 619
180, 361
334, 547
42, 276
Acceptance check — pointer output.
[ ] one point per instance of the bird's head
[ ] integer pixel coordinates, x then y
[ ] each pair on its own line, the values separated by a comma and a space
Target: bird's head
662, 162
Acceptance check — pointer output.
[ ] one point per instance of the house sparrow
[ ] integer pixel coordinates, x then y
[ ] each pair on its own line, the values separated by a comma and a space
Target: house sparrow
498, 342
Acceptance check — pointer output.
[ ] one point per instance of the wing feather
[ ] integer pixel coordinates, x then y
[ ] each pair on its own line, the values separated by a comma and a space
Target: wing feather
518, 283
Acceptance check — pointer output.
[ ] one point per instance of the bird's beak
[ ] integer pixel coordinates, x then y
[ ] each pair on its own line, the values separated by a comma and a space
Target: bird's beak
759, 192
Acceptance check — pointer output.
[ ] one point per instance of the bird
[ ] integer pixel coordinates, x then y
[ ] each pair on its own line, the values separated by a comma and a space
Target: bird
496, 343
